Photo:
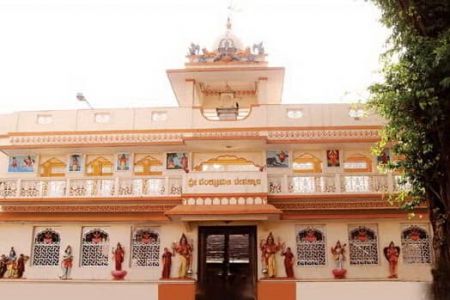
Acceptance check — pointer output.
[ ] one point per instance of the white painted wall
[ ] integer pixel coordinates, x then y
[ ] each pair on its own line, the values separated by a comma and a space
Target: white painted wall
388, 230
67, 290
20, 235
366, 290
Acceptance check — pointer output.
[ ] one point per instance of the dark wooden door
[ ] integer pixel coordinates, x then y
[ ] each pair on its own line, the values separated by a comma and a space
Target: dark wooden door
227, 263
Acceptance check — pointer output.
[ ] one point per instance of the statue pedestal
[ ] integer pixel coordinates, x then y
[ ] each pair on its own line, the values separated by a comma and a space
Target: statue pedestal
339, 273
118, 275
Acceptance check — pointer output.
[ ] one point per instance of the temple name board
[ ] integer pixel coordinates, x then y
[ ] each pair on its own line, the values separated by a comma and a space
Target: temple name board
233, 182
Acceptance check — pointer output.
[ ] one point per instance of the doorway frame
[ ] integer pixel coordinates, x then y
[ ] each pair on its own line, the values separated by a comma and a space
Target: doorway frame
203, 231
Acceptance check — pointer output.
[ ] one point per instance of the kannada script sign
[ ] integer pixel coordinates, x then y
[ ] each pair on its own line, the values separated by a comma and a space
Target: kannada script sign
225, 182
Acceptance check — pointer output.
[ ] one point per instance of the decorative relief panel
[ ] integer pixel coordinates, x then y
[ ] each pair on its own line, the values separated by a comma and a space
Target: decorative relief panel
145, 246
311, 245
94, 247
363, 242
416, 248
46, 247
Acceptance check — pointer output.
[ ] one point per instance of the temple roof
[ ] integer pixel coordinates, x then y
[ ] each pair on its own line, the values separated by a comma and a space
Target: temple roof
227, 48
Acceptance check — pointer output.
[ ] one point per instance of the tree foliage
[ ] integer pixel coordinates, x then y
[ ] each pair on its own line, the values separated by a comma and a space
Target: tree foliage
414, 98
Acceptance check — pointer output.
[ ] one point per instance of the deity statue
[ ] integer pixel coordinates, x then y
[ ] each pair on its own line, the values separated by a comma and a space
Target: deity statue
118, 255
259, 48
185, 250
66, 263
16, 266
12, 254
3, 265
288, 262
21, 265
268, 250
167, 263
193, 49
338, 252
12, 268
392, 253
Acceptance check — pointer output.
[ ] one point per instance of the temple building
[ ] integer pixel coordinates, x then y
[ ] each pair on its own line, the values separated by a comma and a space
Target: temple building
230, 195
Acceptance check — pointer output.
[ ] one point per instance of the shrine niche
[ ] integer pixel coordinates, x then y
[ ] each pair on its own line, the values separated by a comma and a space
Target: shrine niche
145, 247
99, 166
94, 247
46, 247
307, 163
52, 167
147, 165
228, 163
357, 163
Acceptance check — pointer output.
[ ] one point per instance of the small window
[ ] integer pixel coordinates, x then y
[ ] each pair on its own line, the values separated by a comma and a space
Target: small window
159, 116
145, 248
363, 245
311, 246
94, 247
294, 113
358, 163
102, 118
44, 119
416, 247
307, 163
46, 248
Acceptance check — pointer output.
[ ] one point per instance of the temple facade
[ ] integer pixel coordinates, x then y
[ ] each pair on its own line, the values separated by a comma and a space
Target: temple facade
230, 195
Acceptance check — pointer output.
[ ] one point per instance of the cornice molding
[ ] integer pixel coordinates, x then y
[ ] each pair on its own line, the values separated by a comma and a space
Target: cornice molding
171, 137
86, 208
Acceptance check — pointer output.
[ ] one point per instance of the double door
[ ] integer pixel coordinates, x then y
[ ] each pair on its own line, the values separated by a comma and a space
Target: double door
227, 263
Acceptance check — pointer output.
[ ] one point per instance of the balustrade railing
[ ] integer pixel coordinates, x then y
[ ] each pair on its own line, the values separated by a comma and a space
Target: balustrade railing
331, 183
90, 187
170, 186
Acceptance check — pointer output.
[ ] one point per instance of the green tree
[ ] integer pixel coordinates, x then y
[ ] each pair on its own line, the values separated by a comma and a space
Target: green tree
414, 98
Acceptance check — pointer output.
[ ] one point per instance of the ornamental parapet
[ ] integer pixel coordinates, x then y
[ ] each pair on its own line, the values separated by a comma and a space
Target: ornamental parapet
34, 140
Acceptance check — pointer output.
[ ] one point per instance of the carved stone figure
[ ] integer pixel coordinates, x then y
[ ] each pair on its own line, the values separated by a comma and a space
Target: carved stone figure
288, 262
268, 250
185, 250
194, 49
259, 48
118, 255
338, 252
167, 263
67, 263
392, 253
